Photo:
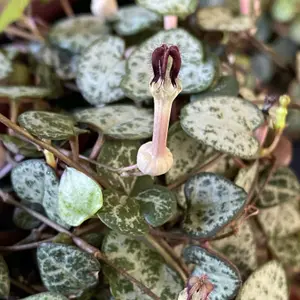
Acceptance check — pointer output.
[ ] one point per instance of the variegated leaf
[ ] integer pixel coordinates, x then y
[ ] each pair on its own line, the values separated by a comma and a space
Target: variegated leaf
35, 182
180, 8
224, 276
213, 202
239, 249
187, 153
79, 198
180, 196
246, 177
46, 296
227, 124
142, 263
118, 154
24, 220
222, 19
267, 282
4, 279
5, 66
122, 213
17, 92
119, 121
67, 270
132, 19
195, 74
158, 205
47, 125
101, 69
75, 34
282, 187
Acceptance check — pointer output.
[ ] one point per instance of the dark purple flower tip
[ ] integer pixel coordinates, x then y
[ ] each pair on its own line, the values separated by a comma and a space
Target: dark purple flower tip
160, 62
269, 101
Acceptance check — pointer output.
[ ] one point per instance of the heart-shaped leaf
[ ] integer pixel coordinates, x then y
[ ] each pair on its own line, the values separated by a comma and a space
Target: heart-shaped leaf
79, 198
101, 69
158, 205
280, 220
75, 34
35, 182
239, 249
187, 153
213, 201
47, 125
24, 220
180, 8
267, 282
224, 276
122, 213
227, 124
46, 296
195, 74
5, 66
282, 187
142, 263
119, 121
221, 19
246, 177
17, 92
132, 19
284, 11
118, 154
4, 278
67, 270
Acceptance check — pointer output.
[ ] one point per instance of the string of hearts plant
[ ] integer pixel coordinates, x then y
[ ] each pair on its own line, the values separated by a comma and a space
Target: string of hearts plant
145, 156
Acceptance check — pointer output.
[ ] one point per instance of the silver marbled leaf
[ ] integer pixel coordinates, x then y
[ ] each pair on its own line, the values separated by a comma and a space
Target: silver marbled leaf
5, 66
46, 296
17, 92
246, 176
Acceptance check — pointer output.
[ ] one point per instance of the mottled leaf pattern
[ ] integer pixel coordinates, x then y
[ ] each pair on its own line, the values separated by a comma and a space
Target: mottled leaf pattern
195, 74
4, 278
267, 282
226, 124
222, 19
80, 197
213, 202
122, 213
16, 92
46, 296
5, 66
101, 69
132, 19
118, 154
24, 220
158, 205
75, 34
246, 177
142, 263
119, 121
66, 269
221, 274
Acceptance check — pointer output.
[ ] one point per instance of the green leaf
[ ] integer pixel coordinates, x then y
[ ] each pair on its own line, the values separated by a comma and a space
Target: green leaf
46, 296
284, 11
196, 75
19, 146
180, 8
239, 249
119, 121
246, 177
267, 282
227, 124
283, 186
47, 125
101, 69
79, 197
187, 153
213, 202
263, 67
17, 92
77, 33
24, 220
280, 220
12, 11
5, 66
132, 19
158, 205
35, 182
118, 154
142, 263
122, 213
287, 250
4, 278
221, 19
220, 273
67, 270
225, 86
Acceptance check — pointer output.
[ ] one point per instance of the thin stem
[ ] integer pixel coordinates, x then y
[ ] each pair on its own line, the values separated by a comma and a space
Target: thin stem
20, 33
65, 4
52, 149
97, 146
74, 143
168, 258
170, 22
30, 24
13, 112
16, 248
267, 151
22, 286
